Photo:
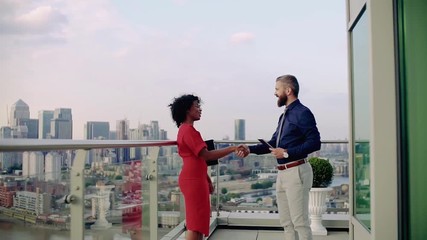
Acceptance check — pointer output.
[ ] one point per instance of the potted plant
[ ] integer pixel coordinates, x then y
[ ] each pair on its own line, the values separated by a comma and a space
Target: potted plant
323, 173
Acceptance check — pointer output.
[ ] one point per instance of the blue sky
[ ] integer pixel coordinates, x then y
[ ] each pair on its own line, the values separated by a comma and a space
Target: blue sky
109, 60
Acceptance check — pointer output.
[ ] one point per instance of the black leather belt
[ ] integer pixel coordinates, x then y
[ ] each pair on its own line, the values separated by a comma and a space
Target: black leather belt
291, 164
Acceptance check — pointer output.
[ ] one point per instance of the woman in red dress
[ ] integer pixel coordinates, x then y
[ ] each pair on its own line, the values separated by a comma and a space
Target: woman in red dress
193, 180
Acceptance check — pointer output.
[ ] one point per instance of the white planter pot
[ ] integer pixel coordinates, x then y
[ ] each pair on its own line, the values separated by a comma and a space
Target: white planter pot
316, 208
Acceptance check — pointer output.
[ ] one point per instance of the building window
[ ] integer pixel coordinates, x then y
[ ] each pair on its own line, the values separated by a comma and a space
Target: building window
361, 117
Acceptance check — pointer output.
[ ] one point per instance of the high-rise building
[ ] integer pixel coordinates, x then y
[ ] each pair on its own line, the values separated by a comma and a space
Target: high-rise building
18, 111
19, 121
20, 131
144, 130
33, 165
135, 134
163, 134
97, 130
45, 117
155, 132
32, 127
61, 126
53, 166
239, 129
6, 158
122, 130
5, 132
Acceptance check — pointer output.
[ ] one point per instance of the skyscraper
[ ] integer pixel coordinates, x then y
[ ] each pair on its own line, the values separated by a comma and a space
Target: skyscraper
32, 127
122, 129
97, 130
45, 117
155, 132
61, 126
5, 132
53, 166
33, 165
20, 122
6, 158
18, 111
239, 129
163, 134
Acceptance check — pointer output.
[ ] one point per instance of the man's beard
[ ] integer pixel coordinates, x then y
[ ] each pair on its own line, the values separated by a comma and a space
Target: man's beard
281, 101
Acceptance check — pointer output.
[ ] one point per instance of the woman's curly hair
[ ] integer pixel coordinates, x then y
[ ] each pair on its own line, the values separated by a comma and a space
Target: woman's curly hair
180, 106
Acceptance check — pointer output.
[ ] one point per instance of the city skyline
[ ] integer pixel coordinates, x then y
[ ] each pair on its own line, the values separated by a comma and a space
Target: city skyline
111, 60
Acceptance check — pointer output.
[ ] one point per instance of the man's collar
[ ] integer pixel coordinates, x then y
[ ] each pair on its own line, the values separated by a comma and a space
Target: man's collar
293, 104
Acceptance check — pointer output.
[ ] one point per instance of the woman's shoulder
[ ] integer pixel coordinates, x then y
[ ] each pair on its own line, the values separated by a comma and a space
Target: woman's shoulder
186, 128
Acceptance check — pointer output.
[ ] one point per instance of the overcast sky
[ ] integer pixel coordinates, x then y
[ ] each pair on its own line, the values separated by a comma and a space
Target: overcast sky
109, 60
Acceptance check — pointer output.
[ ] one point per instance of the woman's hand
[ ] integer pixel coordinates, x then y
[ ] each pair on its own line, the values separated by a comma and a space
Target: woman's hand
242, 150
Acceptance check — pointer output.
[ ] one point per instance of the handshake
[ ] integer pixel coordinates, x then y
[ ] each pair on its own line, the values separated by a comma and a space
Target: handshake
242, 150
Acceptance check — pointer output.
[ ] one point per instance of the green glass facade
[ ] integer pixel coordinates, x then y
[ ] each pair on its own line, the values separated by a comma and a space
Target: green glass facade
412, 66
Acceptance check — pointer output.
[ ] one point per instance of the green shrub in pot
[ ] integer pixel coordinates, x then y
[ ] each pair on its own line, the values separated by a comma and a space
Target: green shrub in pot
323, 172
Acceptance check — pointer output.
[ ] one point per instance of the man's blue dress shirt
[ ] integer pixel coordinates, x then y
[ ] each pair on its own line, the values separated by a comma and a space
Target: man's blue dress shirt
299, 134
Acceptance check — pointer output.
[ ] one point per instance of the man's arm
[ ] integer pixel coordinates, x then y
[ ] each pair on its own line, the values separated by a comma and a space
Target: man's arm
308, 128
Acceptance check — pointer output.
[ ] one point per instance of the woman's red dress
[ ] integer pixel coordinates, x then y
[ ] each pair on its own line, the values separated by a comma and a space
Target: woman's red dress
193, 179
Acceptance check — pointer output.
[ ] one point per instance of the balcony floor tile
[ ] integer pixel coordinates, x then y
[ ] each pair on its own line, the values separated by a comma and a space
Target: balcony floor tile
242, 234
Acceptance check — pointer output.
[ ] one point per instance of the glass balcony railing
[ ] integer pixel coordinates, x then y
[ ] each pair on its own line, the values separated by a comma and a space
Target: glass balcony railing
248, 184
69, 189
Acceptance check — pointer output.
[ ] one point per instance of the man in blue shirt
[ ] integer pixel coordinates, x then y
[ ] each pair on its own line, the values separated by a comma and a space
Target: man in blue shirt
296, 136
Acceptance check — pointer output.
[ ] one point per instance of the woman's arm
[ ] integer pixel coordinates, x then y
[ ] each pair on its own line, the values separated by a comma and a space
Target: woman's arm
207, 155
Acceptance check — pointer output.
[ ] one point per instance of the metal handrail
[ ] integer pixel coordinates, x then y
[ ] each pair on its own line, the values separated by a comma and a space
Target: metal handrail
15, 145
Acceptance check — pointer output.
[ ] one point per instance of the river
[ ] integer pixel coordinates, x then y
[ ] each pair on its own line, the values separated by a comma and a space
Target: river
15, 229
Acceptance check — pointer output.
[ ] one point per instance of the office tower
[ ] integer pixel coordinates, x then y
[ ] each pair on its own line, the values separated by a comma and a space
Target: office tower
144, 134
122, 130
19, 121
97, 130
32, 127
144, 130
53, 166
19, 131
155, 133
135, 134
9, 159
163, 134
61, 126
18, 111
6, 158
5, 132
239, 129
45, 117
33, 165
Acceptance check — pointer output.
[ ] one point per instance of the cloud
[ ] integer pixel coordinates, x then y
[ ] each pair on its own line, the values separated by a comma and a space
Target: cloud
35, 21
242, 37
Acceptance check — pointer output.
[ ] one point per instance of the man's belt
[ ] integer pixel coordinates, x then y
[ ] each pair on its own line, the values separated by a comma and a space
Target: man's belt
291, 164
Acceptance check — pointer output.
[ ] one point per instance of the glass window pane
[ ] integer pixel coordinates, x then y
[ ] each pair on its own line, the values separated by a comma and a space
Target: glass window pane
361, 121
